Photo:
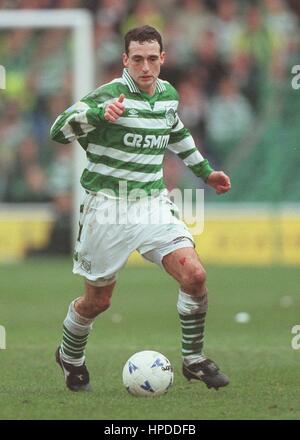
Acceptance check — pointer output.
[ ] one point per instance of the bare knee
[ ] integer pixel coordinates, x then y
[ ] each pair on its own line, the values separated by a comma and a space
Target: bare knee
95, 300
193, 281
101, 302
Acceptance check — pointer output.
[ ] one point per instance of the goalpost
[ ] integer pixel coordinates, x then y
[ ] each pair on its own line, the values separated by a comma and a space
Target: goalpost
81, 25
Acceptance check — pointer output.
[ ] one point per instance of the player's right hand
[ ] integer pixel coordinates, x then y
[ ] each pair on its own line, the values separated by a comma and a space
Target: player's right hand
114, 110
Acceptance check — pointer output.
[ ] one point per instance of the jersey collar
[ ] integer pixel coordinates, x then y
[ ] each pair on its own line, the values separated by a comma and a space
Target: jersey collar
160, 87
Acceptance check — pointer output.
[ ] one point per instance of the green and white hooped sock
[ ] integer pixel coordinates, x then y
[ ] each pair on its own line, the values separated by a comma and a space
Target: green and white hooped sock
192, 312
76, 330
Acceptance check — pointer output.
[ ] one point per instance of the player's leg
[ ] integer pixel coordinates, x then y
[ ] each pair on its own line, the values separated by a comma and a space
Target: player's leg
171, 246
96, 299
78, 322
184, 265
76, 328
99, 255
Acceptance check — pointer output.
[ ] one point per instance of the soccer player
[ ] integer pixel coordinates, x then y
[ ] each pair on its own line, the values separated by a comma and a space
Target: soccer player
125, 127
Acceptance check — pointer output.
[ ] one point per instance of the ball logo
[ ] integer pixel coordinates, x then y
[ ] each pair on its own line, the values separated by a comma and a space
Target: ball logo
167, 368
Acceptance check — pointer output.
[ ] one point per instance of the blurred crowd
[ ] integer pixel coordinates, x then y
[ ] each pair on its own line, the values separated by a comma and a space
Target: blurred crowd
227, 59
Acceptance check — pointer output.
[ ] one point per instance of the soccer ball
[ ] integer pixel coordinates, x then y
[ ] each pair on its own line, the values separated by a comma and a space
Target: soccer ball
147, 373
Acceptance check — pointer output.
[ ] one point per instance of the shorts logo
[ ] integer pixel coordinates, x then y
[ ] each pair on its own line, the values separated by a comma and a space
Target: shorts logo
85, 265
170, 117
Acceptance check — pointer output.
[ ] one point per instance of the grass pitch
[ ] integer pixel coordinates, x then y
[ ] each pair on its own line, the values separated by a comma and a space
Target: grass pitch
257, 356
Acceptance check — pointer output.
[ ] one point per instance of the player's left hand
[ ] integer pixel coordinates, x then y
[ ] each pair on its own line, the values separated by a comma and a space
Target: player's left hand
115, 110
219, 181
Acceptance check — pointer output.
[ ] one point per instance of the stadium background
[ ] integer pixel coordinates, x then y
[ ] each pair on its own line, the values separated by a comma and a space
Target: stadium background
231, 62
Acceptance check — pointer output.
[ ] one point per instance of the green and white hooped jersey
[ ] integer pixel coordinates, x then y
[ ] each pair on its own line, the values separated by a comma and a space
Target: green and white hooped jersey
131, 149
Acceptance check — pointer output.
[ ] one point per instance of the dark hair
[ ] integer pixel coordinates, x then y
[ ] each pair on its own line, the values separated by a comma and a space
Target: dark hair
141, 34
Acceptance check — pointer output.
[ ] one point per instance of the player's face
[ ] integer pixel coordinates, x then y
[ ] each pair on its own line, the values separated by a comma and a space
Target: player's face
143, 63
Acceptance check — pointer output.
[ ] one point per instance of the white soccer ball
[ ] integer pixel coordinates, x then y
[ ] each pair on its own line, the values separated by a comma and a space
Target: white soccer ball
147, 373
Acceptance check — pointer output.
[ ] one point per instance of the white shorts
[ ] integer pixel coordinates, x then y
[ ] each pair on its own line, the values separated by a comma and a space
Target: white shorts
106, 240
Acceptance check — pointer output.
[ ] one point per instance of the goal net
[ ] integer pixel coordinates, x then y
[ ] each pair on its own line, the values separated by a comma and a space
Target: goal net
47, 64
